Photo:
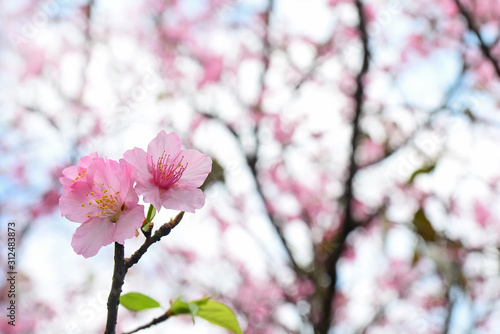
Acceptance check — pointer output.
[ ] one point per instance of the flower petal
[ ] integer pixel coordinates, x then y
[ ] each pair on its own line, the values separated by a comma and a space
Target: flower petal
69, 174
87, 160
71, 203
91, 236
198, 168
168, 143
127, 224
104, 174
183, 199
137, 158
150, 193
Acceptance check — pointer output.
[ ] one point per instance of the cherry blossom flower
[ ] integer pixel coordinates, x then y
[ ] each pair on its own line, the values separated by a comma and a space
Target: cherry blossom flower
103, 200
169, 176
74, 173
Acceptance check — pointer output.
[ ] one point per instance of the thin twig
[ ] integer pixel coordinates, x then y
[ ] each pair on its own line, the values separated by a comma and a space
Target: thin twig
160, 233
486, 49
444, 105
153, 322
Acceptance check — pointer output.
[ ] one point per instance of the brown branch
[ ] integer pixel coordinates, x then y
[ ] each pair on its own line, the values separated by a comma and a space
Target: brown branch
160, 233
153, 322
122, 265
116, 289
349, 223
444, 105
449, 311
252, 159
486, 49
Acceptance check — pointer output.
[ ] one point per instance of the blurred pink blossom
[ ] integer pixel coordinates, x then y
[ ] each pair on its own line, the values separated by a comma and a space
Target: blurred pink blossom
49, 201
212, 70
482, 214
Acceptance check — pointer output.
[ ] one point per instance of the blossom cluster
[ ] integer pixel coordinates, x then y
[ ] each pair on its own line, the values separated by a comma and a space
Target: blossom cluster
103, 194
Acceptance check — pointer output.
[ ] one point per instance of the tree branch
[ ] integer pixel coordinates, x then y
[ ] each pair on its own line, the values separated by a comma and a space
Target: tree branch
472, 26
153, 322
449, 311
116, 289
160, 233
122, 265
349, 223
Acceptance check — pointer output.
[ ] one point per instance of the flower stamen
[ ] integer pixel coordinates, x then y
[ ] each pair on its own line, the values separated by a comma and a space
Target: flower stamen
165, 173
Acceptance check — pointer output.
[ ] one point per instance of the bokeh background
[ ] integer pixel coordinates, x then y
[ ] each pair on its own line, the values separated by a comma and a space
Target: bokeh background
356, 159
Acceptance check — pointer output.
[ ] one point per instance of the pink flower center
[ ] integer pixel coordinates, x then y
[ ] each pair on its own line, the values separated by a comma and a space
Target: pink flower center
80, 175
166, 173
109, 206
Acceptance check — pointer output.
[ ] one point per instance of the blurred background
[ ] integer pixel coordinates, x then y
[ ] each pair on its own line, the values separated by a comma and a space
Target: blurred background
356, 159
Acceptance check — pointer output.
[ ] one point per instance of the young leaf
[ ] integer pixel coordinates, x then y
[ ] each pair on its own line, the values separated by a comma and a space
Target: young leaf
219, 314
137, 301
424, 170
193, 309
424, 226
179, 307
151, 213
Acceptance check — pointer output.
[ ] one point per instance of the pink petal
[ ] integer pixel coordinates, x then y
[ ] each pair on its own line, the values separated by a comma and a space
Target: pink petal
199, 165
137, 158
71, 203
127, 177
70, 173
87, 160
91, 236
104, 173
168, 143
150, 193
127, 224
183, 199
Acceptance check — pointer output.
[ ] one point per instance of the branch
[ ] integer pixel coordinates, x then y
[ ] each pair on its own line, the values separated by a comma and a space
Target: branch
349, 223
122, 265
116, 289
160, 233
452, 90
472, 26
449, 311
153, 322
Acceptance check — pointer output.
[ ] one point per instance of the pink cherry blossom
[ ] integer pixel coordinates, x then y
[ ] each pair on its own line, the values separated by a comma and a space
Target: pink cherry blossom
169, 176
105, 203
73, 173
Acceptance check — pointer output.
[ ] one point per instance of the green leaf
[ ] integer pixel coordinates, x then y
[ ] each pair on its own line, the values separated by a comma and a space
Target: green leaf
193, 309
210, 310
220, 315
179, 307
137, 301
424, 170
424, 226
151, 213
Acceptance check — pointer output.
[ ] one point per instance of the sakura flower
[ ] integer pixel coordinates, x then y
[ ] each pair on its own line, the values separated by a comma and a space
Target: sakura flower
74, 173
106, 205
169, 176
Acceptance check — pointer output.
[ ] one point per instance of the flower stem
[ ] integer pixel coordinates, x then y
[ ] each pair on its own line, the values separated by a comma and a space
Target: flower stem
116, 289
